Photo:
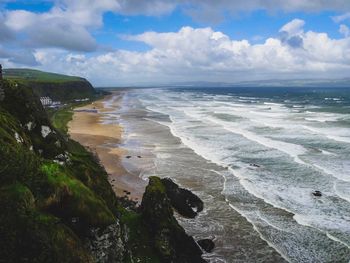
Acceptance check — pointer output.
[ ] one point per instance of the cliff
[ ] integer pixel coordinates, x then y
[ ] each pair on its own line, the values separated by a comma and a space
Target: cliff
169, 238
57, 205
56, 86
52, 191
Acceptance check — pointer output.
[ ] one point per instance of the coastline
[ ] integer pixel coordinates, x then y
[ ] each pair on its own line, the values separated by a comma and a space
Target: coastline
104, 139
150, 133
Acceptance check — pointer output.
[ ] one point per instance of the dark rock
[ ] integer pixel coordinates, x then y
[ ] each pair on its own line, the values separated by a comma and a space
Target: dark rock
21, 102
126, 192
128, 157
206, 244
170, 240
317, 193
139, 156
107, 245
128, 203
183, 200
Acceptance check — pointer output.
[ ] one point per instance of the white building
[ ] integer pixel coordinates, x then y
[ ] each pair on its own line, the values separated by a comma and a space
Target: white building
81, 100
46, 101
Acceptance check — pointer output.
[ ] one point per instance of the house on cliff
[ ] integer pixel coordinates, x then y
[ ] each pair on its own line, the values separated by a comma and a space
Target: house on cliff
46, 101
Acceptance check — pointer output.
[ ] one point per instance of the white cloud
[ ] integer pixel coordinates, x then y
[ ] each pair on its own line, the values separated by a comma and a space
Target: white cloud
68, 23
294, 27
213, 11
5, 33
57, 38
149, 7
341, 18
343, 29
52, 29
204, 54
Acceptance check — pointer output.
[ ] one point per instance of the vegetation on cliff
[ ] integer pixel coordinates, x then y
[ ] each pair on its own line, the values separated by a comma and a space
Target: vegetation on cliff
169, 238
56, 86
58, 206
52, 190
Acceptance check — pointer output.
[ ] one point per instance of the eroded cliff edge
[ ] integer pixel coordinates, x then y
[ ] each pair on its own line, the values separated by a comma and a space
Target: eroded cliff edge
57, 205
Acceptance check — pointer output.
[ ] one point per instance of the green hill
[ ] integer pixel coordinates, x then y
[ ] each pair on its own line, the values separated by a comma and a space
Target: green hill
37, 75
56, 86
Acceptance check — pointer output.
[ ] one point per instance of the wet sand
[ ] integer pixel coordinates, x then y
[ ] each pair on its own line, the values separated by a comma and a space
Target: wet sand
87, 127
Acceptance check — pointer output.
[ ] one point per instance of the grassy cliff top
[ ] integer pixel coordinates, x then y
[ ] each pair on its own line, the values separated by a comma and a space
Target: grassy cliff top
37, 76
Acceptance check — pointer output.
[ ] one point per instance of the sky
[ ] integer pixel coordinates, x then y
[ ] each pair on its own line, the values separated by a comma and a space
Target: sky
159, 42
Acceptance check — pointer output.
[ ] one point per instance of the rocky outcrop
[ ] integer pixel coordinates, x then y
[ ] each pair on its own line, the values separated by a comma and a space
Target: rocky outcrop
206, 244
107, 245
170, 239
317, 193
183, 200
25, 107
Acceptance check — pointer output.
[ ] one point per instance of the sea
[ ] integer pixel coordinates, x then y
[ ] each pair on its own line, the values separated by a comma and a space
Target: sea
254, 156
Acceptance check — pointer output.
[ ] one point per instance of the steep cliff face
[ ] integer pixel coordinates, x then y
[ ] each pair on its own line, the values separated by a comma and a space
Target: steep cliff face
56, 204
170, 240
64, 91
56, 86
52, 191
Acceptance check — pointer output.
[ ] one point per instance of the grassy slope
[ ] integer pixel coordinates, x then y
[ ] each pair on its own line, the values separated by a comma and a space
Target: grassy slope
57, 86
39, 197
61, 117
37, 75
138, 233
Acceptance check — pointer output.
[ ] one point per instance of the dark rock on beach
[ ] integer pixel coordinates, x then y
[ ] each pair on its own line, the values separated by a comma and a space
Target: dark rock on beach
170, 239
317, 193
206, 244
183, 200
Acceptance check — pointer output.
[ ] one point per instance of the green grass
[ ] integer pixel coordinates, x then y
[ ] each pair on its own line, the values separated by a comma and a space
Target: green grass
62, 116
139, 239
37, 75
39, 198
17, 196
56, 86
28, 235
75, 198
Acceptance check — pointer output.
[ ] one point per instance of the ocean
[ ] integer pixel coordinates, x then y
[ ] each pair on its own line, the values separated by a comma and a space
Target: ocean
254, 156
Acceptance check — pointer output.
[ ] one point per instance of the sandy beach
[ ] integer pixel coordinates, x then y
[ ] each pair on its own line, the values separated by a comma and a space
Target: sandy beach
87, 127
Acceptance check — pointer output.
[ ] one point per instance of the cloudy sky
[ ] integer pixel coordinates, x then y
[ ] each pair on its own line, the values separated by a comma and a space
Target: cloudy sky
145, 42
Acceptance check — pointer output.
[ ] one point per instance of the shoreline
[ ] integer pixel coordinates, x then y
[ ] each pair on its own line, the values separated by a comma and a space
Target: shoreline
102, 139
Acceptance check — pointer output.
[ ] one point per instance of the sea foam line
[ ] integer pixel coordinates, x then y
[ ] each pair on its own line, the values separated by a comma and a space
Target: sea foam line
300, 221
290, 149
193, 146
249, 220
